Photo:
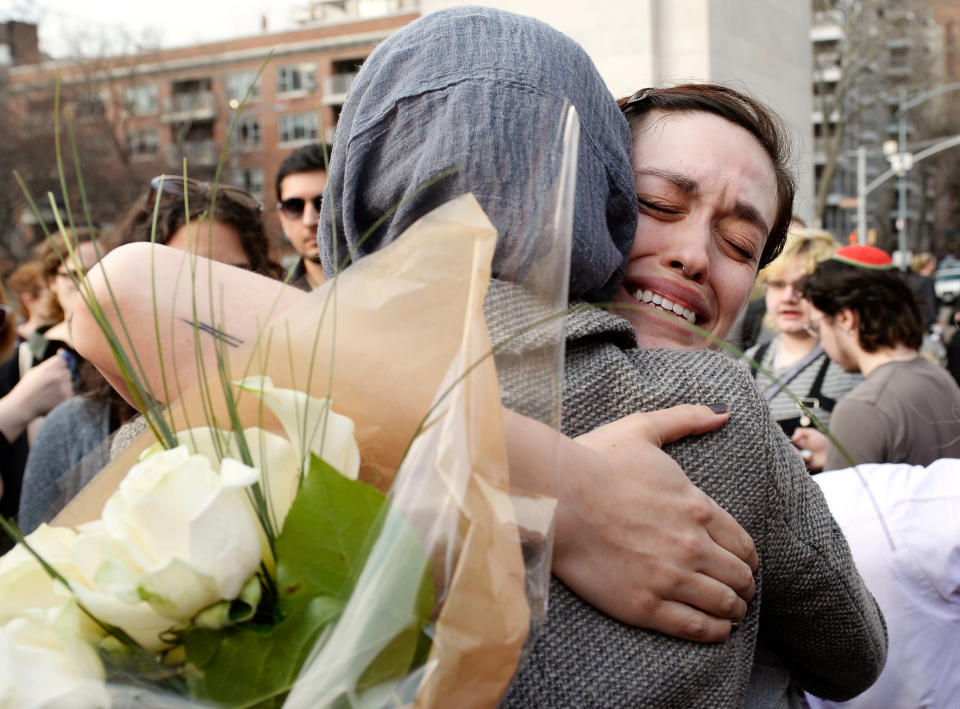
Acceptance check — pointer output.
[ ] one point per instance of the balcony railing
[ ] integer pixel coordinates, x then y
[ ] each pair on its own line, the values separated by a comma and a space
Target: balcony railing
199, 153
194, 106
335, 88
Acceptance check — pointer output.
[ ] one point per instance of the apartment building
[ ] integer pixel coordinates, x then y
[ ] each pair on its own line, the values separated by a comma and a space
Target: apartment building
142, 115
864, 56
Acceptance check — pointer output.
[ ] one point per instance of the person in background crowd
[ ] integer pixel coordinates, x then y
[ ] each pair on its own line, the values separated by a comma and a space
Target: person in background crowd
61, 273
38, 390
903, 526
60, 277
794, 356
78, 426
920, 280
37, 309
953, 347
907, 409
300, 181
750, 330
233, 236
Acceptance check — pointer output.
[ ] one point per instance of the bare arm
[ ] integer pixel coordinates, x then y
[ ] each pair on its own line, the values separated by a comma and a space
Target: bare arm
134, 273
633, 535
42, 388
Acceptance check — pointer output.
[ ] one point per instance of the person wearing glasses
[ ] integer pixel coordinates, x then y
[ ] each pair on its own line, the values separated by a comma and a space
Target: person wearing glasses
907, 409
794, 356
300, 181
233, 234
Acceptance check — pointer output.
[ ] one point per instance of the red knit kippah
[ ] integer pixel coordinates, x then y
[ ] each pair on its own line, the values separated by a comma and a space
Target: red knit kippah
864, 256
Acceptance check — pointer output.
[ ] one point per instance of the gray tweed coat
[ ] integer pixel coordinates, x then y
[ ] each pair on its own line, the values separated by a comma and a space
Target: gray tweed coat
811, 608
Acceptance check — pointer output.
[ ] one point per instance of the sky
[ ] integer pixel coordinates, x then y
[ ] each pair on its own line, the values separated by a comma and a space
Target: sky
167, 23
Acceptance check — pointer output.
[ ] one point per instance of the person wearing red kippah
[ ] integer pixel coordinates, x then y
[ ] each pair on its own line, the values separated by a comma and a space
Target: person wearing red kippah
864, 256
907, 410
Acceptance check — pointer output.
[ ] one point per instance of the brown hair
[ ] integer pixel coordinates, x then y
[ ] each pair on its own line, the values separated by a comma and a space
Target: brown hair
741, 110
53, 251
171, 215
886, 308
28, 279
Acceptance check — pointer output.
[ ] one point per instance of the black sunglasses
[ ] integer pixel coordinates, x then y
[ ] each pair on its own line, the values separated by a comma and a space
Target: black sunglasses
293, 207
174, 186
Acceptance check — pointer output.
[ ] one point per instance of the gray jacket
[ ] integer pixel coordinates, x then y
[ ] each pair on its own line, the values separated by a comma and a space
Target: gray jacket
811, 608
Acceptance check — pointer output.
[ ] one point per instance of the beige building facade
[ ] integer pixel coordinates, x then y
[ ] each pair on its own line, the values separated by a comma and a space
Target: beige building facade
759, 46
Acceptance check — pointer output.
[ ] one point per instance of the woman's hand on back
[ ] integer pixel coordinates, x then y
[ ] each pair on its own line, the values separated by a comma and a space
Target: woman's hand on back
635, 538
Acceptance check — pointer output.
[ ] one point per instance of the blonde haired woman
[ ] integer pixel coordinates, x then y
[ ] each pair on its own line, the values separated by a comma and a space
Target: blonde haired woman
794, 355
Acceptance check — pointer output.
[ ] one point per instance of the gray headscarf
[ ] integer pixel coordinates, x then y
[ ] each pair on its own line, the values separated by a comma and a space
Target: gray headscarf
484, 90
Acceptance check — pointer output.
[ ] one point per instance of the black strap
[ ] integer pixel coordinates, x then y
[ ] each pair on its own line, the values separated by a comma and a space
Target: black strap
789, 376
758, 357
826, 403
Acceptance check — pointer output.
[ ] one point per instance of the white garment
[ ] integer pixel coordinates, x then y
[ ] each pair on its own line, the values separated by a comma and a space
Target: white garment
917, 586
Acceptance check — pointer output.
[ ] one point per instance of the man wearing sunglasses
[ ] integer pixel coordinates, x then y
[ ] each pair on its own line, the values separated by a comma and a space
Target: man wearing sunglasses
300, 182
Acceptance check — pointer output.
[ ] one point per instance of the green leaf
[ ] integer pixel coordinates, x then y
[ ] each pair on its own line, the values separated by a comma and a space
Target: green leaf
326, 536
325, 543
255, 666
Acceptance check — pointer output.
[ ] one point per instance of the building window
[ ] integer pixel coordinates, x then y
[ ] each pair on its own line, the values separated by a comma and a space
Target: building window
143, 143
238, 82
298, 127
88, 106
249, 179
296, 77
140, 100
248, 133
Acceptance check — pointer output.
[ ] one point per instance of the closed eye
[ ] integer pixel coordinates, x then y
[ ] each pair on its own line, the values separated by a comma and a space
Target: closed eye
651, 206
739, 251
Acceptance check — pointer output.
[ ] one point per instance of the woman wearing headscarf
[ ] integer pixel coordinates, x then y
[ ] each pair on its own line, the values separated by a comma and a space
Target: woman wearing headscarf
476, 88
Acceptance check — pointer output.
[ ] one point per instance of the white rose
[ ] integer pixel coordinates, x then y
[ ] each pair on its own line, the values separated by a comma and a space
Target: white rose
174, 538
311, 424
50, 664
311, 427
25, 586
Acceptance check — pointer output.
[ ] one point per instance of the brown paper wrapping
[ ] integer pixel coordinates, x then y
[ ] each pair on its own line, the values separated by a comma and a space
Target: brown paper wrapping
394, 324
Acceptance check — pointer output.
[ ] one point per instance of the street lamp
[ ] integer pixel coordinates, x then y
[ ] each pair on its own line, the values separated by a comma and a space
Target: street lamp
901, 162
234, 105
904, 161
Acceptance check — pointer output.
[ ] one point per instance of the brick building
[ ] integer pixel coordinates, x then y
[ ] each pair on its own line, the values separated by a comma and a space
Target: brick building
141, 115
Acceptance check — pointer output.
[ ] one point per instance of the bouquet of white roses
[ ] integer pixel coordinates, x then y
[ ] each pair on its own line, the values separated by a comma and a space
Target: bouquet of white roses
246, 565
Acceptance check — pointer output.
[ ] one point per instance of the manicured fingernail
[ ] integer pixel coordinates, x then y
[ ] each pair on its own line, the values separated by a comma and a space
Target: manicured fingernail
719, 408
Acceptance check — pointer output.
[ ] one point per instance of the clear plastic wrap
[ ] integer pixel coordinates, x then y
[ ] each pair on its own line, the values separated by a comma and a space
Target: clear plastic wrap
399, 344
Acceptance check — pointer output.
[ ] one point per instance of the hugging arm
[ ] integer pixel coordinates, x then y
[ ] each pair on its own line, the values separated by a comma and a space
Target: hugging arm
633, 535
